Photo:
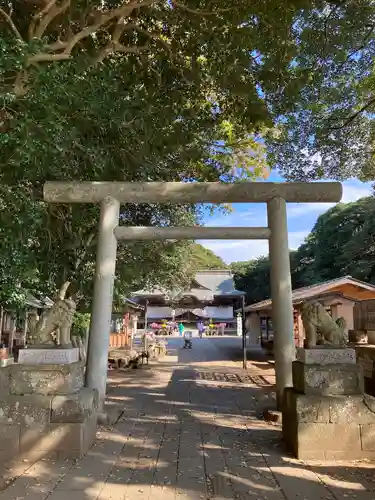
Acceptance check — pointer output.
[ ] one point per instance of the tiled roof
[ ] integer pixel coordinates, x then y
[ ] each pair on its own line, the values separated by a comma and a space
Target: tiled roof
133, 304
220, 281
213, 282
32, 301
308, 292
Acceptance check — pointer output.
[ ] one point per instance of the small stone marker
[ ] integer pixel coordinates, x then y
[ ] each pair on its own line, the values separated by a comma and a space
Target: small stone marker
48, 356
325, 356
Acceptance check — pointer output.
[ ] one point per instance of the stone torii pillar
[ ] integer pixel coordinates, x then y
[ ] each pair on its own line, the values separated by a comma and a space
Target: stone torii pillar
111, 194
281, 293
101, 313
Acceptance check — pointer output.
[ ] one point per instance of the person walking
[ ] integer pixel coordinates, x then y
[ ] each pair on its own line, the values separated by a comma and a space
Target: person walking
181, 329
200, 327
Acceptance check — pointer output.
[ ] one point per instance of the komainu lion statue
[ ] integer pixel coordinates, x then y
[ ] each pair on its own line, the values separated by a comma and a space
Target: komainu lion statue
54, 322
320, 327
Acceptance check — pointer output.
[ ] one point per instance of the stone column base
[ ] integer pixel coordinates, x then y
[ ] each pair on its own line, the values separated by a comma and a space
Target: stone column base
338, 427
45, 411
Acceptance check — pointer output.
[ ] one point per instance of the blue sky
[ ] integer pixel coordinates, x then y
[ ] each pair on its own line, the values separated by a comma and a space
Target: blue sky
301, 219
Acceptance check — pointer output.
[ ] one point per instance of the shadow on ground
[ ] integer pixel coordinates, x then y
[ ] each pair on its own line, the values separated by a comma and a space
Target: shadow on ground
179, 435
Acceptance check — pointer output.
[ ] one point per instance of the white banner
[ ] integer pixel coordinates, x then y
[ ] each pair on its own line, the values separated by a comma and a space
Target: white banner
239, 325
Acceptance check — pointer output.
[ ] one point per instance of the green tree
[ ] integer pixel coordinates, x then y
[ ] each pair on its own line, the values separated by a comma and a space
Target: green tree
341, 243
202, 258
328, 131
132, 91
253, 278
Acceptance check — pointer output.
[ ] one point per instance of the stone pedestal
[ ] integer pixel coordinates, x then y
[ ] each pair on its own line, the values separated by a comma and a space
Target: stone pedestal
32, 356
324, 356
327, 379
46, 411
326, 415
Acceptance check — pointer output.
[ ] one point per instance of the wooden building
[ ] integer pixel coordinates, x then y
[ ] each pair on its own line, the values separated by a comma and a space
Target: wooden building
15, 323
338, 296
124, 323
211, 295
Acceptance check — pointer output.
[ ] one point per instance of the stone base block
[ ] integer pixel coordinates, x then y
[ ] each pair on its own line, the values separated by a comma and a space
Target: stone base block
328, 379
33, 426
69, 440
329, 427
325, 356
74, 407
54, 356
42, 379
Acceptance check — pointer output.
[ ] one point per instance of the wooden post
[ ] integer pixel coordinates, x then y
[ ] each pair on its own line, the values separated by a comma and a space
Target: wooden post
11, 334
1, 323
24, 336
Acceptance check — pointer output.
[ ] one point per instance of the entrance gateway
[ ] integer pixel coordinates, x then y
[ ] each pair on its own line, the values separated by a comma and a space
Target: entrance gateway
111, 194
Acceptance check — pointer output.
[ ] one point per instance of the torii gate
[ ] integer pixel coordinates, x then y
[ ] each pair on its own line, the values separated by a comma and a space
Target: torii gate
111, 194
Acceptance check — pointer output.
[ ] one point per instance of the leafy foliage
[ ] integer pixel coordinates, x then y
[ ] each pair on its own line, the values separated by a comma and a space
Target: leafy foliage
133, 91
329, 130
341, 243
253, 277
81, 324
202, 258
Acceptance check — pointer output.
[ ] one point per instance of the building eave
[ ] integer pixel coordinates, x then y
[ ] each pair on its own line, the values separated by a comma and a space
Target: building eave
315, 291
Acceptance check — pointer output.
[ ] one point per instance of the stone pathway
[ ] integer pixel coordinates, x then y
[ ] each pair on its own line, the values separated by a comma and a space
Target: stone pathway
187, 436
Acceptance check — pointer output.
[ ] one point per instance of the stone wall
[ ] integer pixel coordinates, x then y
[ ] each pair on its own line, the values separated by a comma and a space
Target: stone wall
329, 427
326, 415
46, 411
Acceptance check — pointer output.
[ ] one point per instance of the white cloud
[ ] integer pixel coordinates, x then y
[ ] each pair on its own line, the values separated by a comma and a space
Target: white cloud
352, 191
238, 218
233, 251
296, 238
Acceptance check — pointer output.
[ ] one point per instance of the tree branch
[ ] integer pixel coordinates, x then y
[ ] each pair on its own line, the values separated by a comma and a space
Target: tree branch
200, 12
79, 260
63, 289
120, 28
11, 24
37, 58
118, 47
38, 16
124, 10
358, 49
52, 13
102, 19
354, 115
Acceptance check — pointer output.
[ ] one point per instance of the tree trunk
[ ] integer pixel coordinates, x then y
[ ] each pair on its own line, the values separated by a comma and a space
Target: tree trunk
24, 336
11, 334
63, 290
1, 323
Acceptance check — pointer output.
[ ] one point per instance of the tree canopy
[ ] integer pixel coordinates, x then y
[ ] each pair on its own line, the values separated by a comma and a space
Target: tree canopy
202, 258
329, 130
139, 90
135, 90
341, 243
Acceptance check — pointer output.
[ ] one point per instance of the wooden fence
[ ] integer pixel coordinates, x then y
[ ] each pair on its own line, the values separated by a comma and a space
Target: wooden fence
364, 315
117, 340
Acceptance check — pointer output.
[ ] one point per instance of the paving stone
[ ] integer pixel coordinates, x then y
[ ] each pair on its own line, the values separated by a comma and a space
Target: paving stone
178, 439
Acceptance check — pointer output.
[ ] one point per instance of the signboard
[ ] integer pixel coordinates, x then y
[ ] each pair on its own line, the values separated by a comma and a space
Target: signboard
239, 325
